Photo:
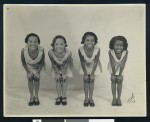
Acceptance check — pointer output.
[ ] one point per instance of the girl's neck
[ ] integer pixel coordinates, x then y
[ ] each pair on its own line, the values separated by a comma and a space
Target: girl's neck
33, 51
60, 52
88, 49
118, 55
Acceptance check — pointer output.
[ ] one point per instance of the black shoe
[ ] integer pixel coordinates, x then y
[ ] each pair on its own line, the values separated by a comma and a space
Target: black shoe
114, 102
91, 102
58, 101
64, 102
119, 103
31, 102
86, 103
36, 101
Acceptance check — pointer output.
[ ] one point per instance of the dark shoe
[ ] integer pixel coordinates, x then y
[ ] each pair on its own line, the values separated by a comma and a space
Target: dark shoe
31, 102
58, 101
64, 102
86, 103
91, 102
119, 103
36, 101
114, 102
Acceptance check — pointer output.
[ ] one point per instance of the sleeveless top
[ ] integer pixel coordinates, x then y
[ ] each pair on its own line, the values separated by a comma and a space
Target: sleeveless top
59, 62
117, 61
89, 62
33, 65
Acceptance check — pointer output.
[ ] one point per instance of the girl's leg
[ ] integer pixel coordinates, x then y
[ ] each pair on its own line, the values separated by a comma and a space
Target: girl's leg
31, 87
119, 90
37, 85
86, 91
91, 89
113, 88
64, 89
59, 89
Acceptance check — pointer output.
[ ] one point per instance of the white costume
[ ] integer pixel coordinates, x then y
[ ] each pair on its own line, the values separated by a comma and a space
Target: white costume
117, 61
89, 62
33, 65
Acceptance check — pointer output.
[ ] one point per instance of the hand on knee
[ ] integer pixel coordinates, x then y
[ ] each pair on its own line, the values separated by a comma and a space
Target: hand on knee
92, 77
37, 76
64, 77
30, 76
57, 78
91, 81
120, 78
113, 78
85, 77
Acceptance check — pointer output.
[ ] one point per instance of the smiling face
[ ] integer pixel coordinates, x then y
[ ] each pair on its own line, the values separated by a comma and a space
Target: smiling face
89, 42
118, 46
59, 45
33, 42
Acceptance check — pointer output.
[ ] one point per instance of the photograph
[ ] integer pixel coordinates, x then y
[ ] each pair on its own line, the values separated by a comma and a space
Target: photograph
58, 57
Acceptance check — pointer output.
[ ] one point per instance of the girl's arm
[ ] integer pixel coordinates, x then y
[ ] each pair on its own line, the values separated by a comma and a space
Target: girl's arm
23, 61
53, 63
112, 62
122, 65
95, 62
41, 62
66, 64
82, 62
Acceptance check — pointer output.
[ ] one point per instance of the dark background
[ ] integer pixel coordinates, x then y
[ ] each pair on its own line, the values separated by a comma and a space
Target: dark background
117, 119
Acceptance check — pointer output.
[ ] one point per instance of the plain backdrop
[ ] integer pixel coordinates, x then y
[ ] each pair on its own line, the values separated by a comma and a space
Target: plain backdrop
72, 21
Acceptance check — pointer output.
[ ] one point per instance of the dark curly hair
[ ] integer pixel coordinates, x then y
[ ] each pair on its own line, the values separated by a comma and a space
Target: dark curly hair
121, 38
56, 37
32, 34
91, 34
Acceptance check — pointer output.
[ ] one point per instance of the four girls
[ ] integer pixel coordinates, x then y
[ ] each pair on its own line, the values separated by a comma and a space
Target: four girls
33, 56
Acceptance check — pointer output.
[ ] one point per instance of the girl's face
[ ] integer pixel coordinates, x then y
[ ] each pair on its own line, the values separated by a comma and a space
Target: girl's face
89, 42
59, 45
33, 42
118, 46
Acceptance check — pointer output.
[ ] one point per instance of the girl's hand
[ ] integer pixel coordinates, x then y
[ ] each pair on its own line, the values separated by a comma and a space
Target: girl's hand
57, 77
120, 77
37, 76
85, 77
29, 75
64, 76
92, 77
113, 77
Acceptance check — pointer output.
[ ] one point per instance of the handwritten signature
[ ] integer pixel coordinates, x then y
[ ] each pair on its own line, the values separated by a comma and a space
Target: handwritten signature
131, 99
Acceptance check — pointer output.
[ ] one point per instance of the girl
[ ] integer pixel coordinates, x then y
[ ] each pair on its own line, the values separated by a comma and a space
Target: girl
32, 57
89, 57
62, 64
118, 54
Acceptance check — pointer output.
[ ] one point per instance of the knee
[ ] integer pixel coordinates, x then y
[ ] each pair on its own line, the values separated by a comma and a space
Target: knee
58, 80
30, 80
113, 79
91, 81
85, 81
36, 80
64, 81
119, 81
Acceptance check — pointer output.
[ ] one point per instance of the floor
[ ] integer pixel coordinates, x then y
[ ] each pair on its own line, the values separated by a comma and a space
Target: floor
16, 104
